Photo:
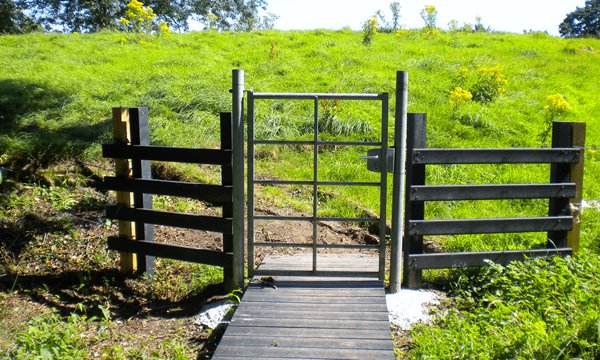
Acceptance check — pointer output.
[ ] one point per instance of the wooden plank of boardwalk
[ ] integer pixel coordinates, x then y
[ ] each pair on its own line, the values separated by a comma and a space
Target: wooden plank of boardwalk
311, 317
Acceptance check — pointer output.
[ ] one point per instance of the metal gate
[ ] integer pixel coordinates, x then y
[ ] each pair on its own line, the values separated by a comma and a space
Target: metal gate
376, 161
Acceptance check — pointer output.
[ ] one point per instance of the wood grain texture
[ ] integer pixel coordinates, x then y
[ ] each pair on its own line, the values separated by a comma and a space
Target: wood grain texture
311, 317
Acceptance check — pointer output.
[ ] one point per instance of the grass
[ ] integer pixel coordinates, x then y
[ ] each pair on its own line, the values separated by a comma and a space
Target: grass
56, 92
551, 314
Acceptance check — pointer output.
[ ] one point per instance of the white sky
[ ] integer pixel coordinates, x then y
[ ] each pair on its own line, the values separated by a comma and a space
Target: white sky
501, 15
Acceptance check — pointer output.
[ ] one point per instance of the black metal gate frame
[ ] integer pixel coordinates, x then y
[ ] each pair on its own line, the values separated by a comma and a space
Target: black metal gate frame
315, 219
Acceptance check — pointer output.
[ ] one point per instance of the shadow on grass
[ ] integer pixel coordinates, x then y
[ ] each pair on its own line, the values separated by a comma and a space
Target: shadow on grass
64, 291
30, 144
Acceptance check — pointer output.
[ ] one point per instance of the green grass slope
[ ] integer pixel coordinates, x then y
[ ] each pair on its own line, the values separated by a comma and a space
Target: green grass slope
56, 94
54, 86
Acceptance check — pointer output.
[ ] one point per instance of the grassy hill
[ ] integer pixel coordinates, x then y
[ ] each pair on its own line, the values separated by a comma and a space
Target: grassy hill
56, 94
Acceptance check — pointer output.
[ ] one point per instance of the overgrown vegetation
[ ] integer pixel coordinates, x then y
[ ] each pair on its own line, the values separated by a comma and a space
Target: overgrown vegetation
54, 119
539, 309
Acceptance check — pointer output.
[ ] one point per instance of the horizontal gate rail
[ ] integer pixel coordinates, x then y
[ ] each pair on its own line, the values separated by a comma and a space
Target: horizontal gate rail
213, 193
319, 183
175, 252
321, 96
475, 259
169, 154
156, 217
490, 226
313, 218
321, 142
494, 156
563, 193
321, 246
490, 192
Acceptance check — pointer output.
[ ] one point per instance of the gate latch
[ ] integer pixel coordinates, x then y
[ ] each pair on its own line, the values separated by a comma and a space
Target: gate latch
372, 158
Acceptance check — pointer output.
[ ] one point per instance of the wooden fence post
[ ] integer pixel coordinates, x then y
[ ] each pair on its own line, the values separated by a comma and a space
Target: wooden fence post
141, 169
415, 210
567, 135
577, 140
123, 169
227, 180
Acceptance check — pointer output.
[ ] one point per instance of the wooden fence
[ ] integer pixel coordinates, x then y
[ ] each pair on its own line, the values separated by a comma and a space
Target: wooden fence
132, 181
563, 192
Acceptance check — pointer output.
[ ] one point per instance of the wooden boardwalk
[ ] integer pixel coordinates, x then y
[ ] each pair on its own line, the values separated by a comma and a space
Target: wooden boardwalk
310, 317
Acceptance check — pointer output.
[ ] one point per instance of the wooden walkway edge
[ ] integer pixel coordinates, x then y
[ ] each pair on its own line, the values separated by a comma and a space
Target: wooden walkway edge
310, 318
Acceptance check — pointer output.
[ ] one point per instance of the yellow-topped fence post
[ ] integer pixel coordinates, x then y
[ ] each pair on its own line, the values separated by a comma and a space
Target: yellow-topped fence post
123, 169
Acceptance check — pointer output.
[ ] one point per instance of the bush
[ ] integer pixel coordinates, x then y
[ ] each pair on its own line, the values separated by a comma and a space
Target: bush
50, 337
485, 84
539, 309
369, 31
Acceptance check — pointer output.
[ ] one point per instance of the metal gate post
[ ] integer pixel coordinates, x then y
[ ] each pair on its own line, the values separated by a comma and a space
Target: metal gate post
398, 179
238, 176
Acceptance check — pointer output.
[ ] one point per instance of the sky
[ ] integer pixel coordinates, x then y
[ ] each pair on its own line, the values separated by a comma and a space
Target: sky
501, 15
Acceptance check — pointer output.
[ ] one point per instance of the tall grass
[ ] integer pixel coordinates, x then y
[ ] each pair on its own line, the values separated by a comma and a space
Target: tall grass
56, 92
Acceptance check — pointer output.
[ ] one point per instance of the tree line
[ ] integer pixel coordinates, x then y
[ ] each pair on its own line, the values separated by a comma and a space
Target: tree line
22, 16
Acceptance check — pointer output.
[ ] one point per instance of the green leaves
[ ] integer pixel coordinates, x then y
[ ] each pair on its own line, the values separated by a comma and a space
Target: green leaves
583, 22
539, 309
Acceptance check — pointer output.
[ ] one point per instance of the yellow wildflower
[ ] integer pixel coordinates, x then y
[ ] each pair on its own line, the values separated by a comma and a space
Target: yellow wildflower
459, 96
557, 104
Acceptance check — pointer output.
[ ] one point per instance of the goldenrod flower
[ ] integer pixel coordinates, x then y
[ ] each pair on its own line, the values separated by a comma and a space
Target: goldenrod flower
459, 96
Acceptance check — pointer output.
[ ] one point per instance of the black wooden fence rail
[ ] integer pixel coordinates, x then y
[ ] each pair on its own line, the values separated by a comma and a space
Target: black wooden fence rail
563, 192
141, 184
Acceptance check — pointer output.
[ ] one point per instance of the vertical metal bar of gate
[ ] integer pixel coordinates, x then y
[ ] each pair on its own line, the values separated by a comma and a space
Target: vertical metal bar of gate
250, 183
315, 223
315, 183
400, 120
237, 89
383, 188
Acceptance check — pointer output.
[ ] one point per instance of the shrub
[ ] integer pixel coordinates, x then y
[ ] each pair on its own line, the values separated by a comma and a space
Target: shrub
459, 97
369, 31
485, 83
489, 84
538, 309
140, 19
50, 338
429, 16
556, 107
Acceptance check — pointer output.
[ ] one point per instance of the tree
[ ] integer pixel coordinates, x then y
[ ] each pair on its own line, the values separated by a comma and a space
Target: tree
13, 20
77, 15
583, 22
96, 15
395, 9
233, 15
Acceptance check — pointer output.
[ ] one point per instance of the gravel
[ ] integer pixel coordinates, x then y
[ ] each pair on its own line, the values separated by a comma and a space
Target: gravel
408, 307
213, 314
405, 308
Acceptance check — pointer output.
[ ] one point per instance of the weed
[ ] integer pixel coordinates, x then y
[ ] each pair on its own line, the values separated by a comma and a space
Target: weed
536, 309
273, 52
484, 84
556, 107
175, 280
139, 19
235, 296
429, 16
459, 97
369, 31
50, 337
